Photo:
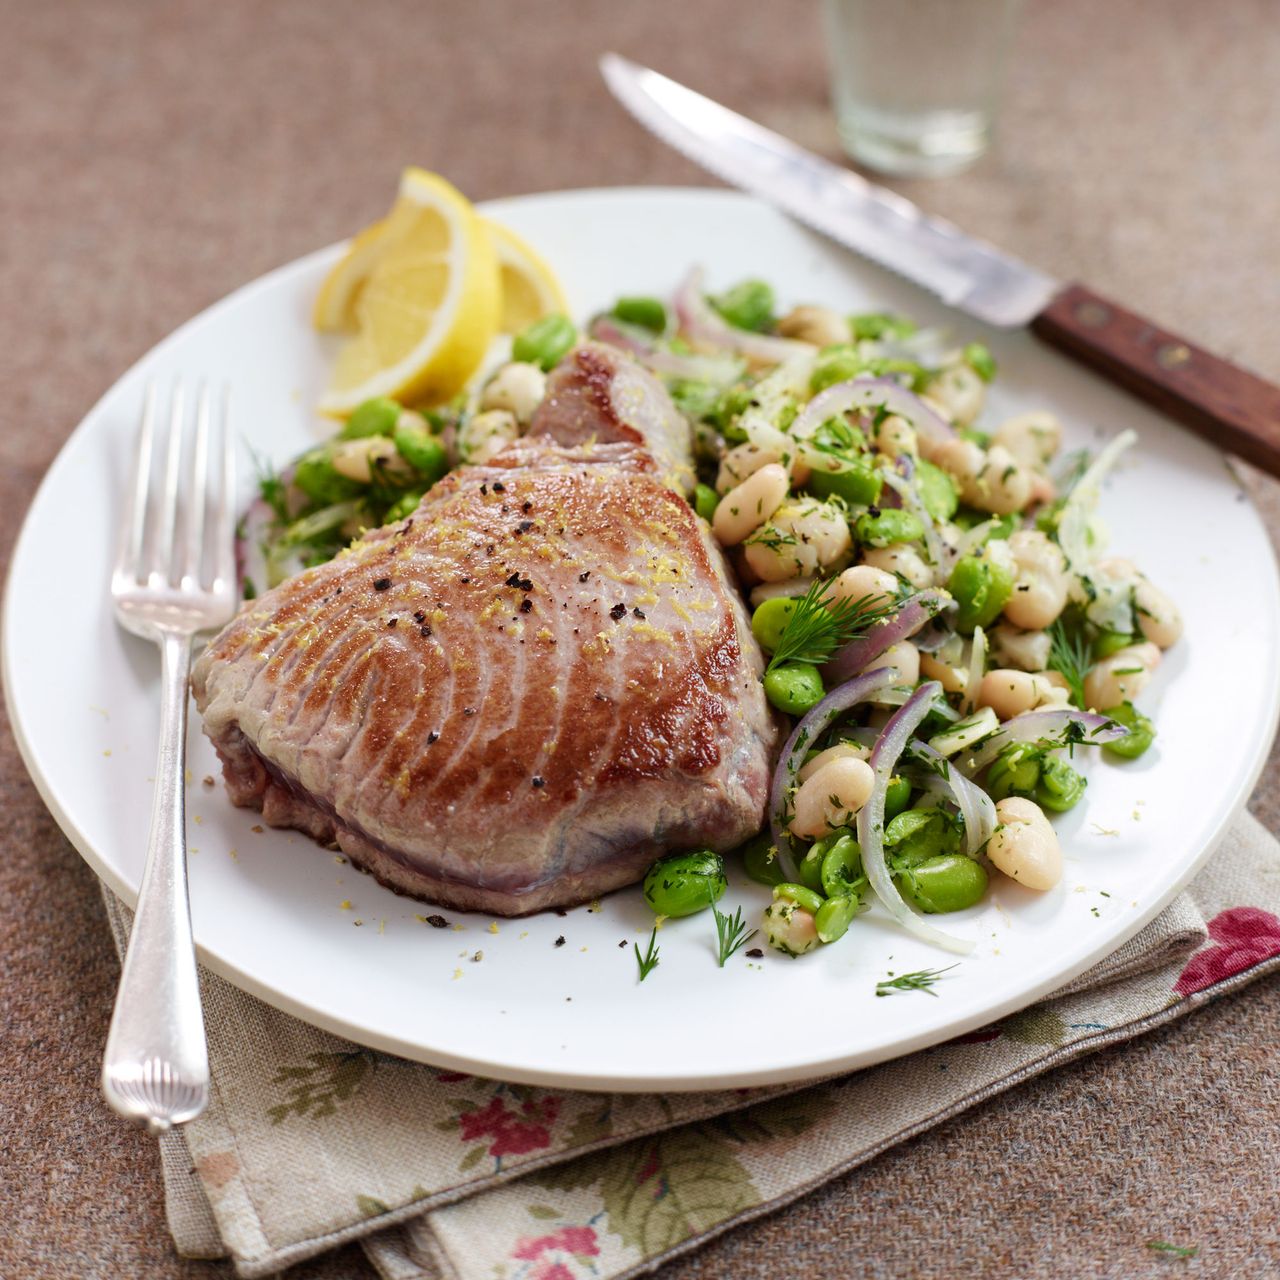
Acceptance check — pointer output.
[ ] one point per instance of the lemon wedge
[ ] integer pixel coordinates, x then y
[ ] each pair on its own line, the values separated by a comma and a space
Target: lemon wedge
429, 305
335, 308
530, 289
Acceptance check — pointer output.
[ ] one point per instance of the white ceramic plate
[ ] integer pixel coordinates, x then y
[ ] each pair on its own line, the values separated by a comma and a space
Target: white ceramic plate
269, 906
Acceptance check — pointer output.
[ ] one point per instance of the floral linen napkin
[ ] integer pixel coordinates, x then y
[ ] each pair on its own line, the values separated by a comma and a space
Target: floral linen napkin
311, 1141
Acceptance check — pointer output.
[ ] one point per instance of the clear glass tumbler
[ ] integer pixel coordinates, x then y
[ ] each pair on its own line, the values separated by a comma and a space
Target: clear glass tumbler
916, 83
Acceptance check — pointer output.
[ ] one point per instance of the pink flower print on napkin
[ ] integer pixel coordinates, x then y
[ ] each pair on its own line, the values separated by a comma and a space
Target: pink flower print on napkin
513, 1134
1245, 936
579, 1241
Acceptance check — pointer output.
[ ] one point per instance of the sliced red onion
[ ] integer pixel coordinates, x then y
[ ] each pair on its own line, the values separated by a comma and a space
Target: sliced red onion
923, 607
719, 370
976, 807
251, 537
903, 486
977, 668
869, 393
1060, 727
703, 323
809, 728
884, 758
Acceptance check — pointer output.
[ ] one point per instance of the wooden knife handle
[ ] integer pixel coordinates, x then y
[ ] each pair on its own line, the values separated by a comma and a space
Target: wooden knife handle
1235, 409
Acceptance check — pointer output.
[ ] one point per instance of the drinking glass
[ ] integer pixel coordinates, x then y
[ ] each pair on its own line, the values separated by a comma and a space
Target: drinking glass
915, 83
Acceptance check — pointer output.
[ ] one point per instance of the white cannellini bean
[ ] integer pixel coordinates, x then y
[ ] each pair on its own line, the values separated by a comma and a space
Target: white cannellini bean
820, 325
830, 797
1033, 438
748, 506
1025, 846
789, 927
895, 436
865, 581
952, 679
960, 391
801, 537
904, 658
899, 558
1009, 693
484, 435
1040, 583
841, 751
517, 387
1120, 676
741, 461
355, 459
1013, 647
1158, 617
769, 590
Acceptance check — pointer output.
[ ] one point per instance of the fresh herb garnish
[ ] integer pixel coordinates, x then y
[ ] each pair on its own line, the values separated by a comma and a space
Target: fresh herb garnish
815, 631
1177, 1250
730, 932
649, 961
921, 980
1070, 654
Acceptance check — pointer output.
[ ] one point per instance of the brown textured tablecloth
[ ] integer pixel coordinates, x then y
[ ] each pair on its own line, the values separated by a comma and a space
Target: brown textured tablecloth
155, 155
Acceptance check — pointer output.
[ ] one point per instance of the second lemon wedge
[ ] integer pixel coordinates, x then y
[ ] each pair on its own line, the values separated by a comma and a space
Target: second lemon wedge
530, 289
424, 293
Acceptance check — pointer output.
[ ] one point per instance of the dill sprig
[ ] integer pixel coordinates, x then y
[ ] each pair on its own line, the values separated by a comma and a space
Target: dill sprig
649, 961
814, 631
921, 980
730, 932
1177, 1250
1070, 654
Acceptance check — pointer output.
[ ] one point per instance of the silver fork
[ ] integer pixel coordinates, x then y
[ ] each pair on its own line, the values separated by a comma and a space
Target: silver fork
170, 582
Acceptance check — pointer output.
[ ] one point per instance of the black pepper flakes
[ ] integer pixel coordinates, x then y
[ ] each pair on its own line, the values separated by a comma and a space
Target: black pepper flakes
526, 605
638, 614
559, 942
425, 631
433, 736
391, 622
618, 612
539, 781
525, 584
468, 711
464, 580
755, 953
524, 526
381, 584
437, 922
484, 488
526, 507
499, 487
419, 616
582, 577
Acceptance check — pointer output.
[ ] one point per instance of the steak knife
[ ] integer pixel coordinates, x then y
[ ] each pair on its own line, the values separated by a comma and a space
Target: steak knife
1235, 409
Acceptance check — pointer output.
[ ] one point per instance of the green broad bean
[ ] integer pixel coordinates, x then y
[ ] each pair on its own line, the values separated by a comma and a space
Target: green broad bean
896, 797
857, 482
376, 417
730, 405
770, 620
403, 507
422, 451
949, 882
1142, 733
974, 436
888, 527
979, 358
917, 835
835, 916
841, 864
314, 474
1106, 643
981, 589
705, 500
810, 869
545, 342
880, 324
937, 490
835, 364
794, 687
800, 894
760, 860
748, 305
1060, 786
685, 883
1014, 772
648, 313
696, 400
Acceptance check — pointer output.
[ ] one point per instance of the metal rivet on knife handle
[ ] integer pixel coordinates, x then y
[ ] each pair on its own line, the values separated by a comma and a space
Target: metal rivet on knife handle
1172, 355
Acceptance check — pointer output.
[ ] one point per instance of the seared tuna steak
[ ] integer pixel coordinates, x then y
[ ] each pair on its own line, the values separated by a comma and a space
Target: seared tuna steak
517, 698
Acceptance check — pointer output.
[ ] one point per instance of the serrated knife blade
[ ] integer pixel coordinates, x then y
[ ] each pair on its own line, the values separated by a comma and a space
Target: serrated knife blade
1237, 410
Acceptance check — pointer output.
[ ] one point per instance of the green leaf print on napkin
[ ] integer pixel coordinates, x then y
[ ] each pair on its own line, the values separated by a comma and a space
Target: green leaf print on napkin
660, 1192
315, 1090
1035, 1026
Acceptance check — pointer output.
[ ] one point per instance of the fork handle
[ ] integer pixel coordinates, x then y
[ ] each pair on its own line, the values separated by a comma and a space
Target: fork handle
156, 1066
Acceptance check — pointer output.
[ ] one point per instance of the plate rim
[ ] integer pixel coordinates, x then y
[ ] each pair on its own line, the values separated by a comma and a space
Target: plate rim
245, 980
